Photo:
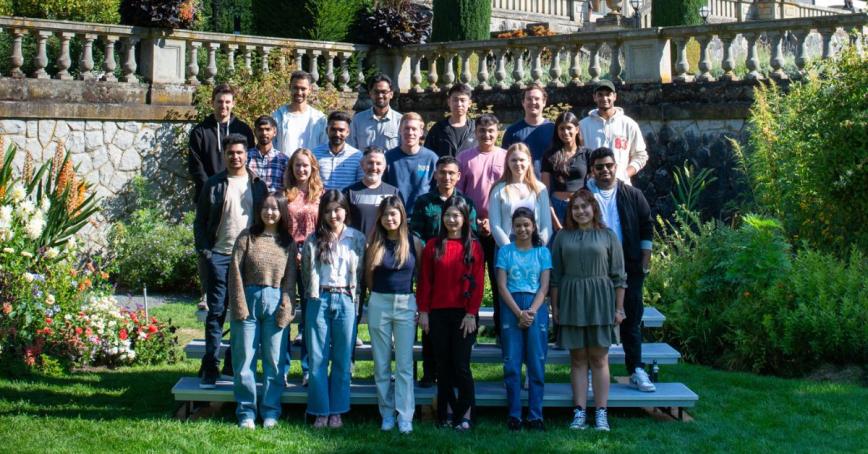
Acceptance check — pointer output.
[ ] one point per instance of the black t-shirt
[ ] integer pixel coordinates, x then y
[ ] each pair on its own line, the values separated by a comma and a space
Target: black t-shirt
446, 140
574, 178
364, 202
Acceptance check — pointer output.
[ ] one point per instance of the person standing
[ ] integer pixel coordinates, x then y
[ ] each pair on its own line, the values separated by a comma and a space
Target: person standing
339, 162
410, 166
299, 125
379, 125
564, 166
626, 212
588, 281
533, 130
366, 194
454, 133
225, 209
265, 160
608, 126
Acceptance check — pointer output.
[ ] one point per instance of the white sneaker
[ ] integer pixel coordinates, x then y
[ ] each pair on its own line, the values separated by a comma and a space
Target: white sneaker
580, 418
405, 427
601, 420
388, 424
268, 423
247, 424
640, 380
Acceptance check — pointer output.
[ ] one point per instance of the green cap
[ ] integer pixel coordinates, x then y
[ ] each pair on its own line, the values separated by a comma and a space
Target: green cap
604, 84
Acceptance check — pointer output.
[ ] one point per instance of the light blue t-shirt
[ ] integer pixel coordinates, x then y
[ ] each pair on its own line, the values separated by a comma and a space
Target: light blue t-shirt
523, 268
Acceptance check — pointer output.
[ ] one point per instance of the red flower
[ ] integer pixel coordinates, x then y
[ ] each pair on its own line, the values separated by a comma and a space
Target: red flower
7, 308
78, 330
152, 329
154, 320
48, 320
123, 335
88, 332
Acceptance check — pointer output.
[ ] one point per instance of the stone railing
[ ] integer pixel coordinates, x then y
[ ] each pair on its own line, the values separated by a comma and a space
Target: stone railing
643, 55
560, 8
169, 57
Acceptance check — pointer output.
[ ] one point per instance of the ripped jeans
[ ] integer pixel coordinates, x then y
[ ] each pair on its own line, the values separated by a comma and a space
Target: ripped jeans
524, 345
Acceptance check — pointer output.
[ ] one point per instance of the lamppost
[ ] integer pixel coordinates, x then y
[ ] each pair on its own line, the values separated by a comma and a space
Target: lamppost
704, 12
636, 4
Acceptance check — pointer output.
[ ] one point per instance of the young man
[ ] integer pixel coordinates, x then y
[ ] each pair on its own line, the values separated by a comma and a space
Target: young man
366, 194
378, 125
339, 162
481, 167
534, 130
410, 166
626, 212
265, 160
425, 224
299, 125
607, 126
454, 133
225, 209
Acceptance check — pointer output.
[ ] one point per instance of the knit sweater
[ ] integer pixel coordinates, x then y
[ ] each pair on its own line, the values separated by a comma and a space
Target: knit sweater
260, 260
443, 282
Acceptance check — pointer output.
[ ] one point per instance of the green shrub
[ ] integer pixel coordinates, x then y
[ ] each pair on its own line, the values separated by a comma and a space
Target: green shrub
6, 8
665, 13
152, 250
461, 20
100, 11
323, 20
807, 154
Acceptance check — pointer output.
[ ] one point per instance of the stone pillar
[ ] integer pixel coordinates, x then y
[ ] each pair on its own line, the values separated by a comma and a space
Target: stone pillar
647, 60
163, 60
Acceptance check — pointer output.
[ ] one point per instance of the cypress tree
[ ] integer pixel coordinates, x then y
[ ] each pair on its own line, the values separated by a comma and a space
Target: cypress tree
461, 20
665, 13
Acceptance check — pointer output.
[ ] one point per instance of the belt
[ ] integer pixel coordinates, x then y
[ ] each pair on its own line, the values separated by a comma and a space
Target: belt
344, 290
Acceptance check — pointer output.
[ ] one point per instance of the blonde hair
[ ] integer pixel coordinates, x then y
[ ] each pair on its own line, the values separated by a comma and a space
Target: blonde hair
377, 240
529, 177
315, 186
409, 116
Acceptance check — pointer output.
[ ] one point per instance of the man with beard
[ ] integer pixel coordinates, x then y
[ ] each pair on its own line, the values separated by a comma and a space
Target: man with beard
378, 125
366, 194
339, 162
299, 125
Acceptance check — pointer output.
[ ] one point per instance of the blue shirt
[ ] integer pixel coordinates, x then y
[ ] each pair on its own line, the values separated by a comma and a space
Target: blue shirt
338, 170
523, 268
537, 138
269, 167
410, 173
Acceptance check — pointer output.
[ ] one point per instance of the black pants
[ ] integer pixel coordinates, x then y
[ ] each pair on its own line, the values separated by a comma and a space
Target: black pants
452, 351
631, 329
489, 248
429, 362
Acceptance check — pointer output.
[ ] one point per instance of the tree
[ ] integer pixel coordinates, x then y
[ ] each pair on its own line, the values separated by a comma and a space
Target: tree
665, 13
322, 20
461, 20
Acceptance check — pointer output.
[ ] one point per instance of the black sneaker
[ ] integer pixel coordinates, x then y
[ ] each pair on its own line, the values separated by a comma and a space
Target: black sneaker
535, 425
513, 424
209, 379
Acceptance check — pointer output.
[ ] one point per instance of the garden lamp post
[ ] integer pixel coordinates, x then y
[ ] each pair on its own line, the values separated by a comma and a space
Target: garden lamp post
704, 12
636, 4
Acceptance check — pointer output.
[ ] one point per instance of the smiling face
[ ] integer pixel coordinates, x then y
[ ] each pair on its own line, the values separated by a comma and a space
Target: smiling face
447, 177
522, 227
486, 135
569, 134
335, 216
582, 212
391, 219
453, 220
381, 94
603, 171
605, 99
235, 158
518, 162
299, 90
301, 168
338, 132
223, 104
533, 102
270, 212
411, 133
374, 164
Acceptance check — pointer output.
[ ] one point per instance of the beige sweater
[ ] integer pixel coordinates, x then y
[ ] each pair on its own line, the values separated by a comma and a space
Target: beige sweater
260, 260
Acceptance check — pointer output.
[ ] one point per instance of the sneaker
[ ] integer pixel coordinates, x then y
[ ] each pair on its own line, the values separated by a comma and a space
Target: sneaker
335, 422
247, 424
580, 418
536, 425
601, 420
640, 380
268, 423
513, 424
405, 427
202, 305
209, 379
388, 423
320, 422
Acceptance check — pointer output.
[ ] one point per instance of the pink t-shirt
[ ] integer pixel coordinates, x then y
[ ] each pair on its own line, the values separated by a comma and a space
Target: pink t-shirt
479, 172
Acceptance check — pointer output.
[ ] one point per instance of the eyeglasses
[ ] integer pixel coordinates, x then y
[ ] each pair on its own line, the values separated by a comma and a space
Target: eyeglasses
382, 92
607, 166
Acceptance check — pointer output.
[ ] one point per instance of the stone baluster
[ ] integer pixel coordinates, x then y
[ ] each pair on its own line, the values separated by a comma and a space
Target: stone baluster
536, 71
330, 69
281, 59
728, 61
108, 62
704, 59
682, 66
16, 60
801, 51
448, 71
415, 72
752, 62
345, 71
64, 61
518, 69
248, 58
360, 72
128, 71
482, 73
230, 57
827, 34
85, 62
297, 57
555, 68
211, 69
466, 74
500, 69
433, 77
266, 54
776, 39
41, 59
314, 65
594, 66
193, 64
615, 65
576, 66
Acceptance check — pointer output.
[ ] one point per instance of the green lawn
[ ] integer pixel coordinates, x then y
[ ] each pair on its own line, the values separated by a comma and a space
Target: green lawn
131, 409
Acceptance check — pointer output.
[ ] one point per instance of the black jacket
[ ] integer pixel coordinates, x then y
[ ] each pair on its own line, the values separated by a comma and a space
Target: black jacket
209, 211
205, 159
636, 225
444, 144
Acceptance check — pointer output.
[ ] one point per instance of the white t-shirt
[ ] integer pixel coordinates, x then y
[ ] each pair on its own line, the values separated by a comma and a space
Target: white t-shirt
237, 213
299, 130
607, 198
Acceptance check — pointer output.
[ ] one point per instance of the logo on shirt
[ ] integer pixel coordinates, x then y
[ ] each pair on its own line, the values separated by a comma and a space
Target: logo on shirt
620, 143
422, 170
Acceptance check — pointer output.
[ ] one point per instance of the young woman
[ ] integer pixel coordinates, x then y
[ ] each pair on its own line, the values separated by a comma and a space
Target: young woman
389, 271
261, 285
523, 269
449, 295
518, 187
304, 188
332, 264
588, 281
564, 166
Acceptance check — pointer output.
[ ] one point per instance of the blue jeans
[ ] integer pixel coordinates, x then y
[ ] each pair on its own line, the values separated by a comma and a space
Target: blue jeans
258, 336
303, 358
328, 332
528, 345
217, 267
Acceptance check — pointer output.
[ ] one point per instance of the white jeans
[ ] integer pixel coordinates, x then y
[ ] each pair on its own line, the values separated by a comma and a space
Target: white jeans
391, 322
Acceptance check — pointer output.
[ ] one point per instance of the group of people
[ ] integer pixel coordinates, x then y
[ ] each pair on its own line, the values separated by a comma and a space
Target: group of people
326, 212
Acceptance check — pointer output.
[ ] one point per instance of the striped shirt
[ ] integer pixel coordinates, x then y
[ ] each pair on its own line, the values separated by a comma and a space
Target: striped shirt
338, 170
269, 167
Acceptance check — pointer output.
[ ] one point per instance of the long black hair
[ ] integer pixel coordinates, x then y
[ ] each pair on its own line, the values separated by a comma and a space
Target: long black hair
284, 224
524, 212
458, 203
325, 238
556, 157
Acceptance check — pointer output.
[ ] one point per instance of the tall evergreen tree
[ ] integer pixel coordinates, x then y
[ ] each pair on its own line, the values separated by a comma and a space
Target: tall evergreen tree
461, 20
666, 13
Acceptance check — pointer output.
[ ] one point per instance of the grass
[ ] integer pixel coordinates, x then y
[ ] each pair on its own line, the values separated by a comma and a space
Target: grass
131, 409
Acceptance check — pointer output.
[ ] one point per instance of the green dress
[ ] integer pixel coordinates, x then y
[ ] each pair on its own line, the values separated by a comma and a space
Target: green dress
587, 267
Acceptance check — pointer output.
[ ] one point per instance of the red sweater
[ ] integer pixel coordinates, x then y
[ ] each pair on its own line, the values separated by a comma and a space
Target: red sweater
442, 282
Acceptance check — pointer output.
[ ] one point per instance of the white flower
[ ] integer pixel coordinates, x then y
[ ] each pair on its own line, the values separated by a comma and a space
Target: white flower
35, 226
8, 250
6, 216
27, 254
28, 277
70, 244
49, 300
17, 193
27, 207
45, 204
51, 253
6, 235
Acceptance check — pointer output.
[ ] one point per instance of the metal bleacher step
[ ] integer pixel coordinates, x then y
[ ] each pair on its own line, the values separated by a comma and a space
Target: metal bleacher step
486, 353
652, 318
488, 394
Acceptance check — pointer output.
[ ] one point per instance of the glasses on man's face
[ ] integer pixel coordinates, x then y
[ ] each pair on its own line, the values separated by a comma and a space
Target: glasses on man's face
382, 92
608, 166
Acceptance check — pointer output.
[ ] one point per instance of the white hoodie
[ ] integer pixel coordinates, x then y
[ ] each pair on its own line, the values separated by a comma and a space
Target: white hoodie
620, 133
